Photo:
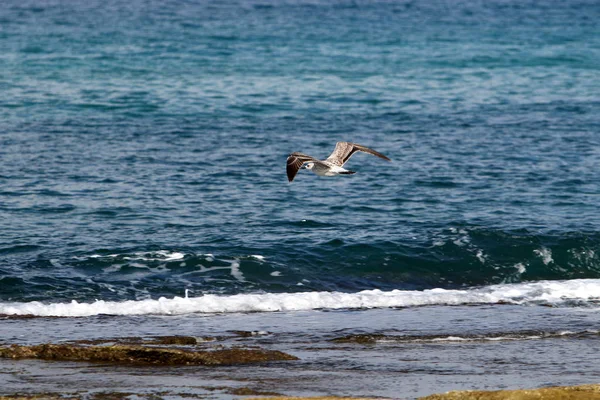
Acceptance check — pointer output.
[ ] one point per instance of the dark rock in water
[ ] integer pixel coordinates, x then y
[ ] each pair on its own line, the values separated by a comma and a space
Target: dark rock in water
245, 391
361, 339
155, 340
246, 334
143, 355
24, 316
177, 340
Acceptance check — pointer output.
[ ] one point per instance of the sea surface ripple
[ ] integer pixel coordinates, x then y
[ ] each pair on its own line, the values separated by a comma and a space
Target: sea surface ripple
143, 146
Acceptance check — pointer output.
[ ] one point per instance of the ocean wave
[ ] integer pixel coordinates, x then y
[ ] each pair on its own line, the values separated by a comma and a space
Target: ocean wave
451, 258
584, 292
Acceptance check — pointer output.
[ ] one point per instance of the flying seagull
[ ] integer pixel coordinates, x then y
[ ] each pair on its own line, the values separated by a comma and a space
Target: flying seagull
332, 165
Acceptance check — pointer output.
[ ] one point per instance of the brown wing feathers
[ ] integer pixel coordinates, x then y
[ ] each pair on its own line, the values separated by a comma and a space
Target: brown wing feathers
294, 163
358, 147
344, 150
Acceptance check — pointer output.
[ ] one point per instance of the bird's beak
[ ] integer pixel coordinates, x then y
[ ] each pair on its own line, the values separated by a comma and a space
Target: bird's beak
303, 166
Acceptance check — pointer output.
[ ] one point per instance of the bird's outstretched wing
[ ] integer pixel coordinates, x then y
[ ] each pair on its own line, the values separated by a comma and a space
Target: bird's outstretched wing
295, 162
344, 150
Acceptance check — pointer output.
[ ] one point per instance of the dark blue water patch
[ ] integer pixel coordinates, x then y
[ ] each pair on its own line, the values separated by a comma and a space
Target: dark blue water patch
19, 248
121, 212
454, 258
308, 224
437, 182
60, 209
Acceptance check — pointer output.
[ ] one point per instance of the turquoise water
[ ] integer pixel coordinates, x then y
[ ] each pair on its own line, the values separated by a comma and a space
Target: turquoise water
133, 132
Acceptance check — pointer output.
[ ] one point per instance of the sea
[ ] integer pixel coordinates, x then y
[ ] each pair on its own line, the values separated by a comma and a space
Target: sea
143, 191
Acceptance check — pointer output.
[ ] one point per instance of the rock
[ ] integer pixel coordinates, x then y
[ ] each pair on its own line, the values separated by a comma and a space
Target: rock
585, 392
131, 354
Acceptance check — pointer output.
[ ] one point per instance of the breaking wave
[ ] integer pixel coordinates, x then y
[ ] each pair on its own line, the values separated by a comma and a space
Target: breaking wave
584, 292
450, 258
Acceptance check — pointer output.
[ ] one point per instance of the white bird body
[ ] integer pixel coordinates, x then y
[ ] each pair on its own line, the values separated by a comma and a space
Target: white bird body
332, 165
326, 168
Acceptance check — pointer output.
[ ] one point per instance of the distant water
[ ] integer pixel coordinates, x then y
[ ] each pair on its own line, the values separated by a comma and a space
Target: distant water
143, 148
143, 145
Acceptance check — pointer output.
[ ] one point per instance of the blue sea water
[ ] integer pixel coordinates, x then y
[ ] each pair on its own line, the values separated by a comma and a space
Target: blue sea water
131, 128
143, 148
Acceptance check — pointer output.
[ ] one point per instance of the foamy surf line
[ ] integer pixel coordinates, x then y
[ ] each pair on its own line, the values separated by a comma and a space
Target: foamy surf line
544, 292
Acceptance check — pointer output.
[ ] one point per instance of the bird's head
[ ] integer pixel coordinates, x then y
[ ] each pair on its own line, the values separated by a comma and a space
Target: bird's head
308, 165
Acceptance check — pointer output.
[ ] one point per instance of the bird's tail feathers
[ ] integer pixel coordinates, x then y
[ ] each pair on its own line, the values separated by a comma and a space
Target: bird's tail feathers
348, 172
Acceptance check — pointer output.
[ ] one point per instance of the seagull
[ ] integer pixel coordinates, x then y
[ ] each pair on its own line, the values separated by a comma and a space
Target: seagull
332, 165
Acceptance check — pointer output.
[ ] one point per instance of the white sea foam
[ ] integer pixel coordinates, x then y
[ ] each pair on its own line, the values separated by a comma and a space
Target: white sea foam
171, 256
233, 267
546, 292
480, 256
545, 254
484, 338
520, 268
449, 339
236, 272
160, 255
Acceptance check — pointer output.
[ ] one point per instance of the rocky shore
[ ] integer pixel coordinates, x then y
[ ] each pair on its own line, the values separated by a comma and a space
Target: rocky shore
583, 392
212, 352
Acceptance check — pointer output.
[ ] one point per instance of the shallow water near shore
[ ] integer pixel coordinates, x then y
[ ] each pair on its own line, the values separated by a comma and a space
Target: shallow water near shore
391, 353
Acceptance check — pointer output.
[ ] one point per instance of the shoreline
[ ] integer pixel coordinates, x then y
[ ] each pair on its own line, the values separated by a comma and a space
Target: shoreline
142, 356
378, 353
578, 392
